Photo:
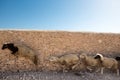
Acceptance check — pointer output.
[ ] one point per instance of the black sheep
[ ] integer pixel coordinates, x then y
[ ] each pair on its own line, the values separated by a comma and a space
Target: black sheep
21, 50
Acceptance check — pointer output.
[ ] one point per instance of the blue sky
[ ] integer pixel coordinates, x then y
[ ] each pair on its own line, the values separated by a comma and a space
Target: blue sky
67, 15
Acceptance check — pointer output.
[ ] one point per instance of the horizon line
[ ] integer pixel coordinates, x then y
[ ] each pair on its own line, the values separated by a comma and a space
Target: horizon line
58, 30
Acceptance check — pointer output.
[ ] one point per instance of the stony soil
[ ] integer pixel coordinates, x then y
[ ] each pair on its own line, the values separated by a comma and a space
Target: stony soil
47, 43
56, 76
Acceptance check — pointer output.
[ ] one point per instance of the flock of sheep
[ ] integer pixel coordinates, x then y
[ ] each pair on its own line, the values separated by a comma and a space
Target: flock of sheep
70, 61
97, 62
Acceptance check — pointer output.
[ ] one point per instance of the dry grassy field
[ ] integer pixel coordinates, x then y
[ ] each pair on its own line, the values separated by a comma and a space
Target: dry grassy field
46, 43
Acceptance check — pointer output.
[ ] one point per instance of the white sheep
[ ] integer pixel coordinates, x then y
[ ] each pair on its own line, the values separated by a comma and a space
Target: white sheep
68, 60
89, 61
109, 63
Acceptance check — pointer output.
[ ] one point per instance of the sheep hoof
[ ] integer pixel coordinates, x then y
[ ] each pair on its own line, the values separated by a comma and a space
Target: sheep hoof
65, 71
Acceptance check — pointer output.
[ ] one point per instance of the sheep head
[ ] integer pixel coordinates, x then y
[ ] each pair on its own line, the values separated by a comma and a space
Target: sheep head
99, 56
7, 45
11, 47
83, 56
53, 59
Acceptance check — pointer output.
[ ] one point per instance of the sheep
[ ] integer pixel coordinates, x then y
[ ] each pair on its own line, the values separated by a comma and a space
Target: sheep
19, 50
118, 59
89, 62
109, 63
80, 66
68, 60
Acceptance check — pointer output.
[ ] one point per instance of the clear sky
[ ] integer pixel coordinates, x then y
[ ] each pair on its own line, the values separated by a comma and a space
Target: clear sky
67, 15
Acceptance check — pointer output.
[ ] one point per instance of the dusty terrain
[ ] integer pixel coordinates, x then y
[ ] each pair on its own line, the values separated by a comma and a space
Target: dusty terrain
46, 43
56, 76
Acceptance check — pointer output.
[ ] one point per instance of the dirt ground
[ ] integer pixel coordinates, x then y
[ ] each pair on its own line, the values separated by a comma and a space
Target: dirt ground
57, 76
47, 43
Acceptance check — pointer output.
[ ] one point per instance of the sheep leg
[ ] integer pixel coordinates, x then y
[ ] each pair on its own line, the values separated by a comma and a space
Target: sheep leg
16, 59
36, 68
74, 66
88, 68
102, 70
68, 67
97, 70
64, 68
117, 72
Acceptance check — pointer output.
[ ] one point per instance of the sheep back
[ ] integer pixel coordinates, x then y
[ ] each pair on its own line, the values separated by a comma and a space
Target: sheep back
110, 63
69, 59
27, 52
91, 61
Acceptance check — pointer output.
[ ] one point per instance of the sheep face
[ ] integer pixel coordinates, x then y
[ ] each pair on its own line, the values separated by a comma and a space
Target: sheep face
53, 59
97, 57
82, 56
8, 45
11, 47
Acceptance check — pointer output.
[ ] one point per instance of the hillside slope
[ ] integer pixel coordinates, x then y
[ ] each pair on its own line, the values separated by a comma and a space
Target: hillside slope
47, 43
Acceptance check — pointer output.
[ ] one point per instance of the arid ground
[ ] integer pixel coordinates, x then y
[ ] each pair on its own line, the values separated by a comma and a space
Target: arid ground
47, 43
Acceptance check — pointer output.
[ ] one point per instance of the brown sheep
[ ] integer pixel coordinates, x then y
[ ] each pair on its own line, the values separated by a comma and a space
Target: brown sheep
88, 61
109, 63
19, 50
68, 60
80, 66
